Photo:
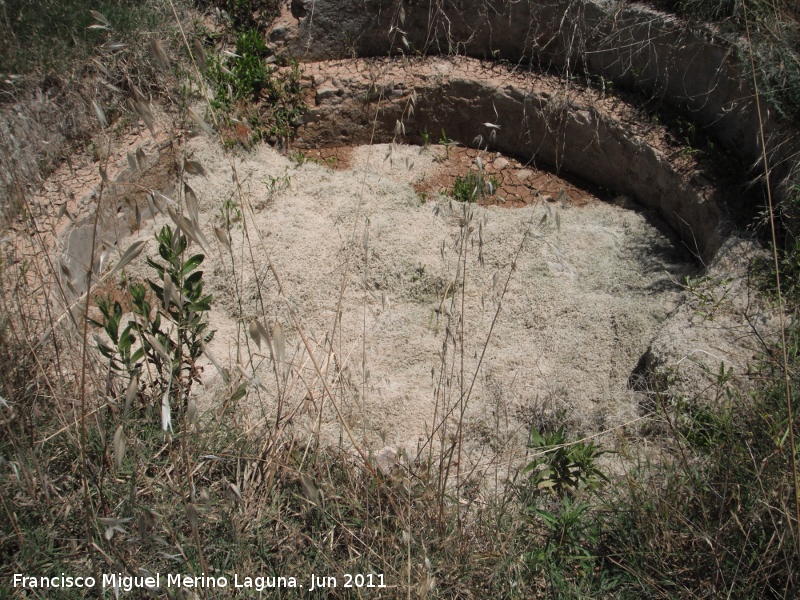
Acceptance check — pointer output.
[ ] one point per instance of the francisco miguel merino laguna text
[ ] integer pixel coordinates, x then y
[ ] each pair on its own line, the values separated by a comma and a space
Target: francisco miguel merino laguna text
127, 583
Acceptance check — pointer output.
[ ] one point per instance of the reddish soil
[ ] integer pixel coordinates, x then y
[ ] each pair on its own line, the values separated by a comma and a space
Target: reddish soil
517, 184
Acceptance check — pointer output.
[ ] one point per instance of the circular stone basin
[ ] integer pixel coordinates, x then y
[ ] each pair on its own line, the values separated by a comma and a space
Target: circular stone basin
592, 280
531, 116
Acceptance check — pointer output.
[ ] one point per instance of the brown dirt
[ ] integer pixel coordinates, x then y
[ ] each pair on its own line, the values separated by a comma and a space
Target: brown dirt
518, 184
336, 157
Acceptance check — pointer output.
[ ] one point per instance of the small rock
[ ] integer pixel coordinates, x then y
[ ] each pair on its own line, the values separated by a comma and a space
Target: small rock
500, 163
386, 458
278, 34
326, 92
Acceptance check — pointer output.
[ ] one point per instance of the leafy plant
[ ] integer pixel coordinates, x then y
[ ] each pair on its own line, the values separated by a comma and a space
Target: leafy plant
277, 184
563, 467
256, 101
426, 137
120, 353
230, 213
243, 76
302, 158
286, 104
709, 294
247, 13
181, 297
567, 556
171, 337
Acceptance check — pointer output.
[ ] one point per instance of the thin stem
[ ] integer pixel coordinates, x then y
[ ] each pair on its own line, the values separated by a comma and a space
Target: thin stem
784, 353
460, 428
87, 501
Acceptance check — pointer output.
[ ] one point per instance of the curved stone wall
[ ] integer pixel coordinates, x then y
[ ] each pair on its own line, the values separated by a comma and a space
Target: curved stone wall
531, 118
636, 47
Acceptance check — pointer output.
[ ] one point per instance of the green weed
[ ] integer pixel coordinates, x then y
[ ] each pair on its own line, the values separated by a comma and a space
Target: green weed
230, 212
300, 158
568, 556
426, 138
561, 466
472, 187
244, 76
247, 88
280, 183
255, 14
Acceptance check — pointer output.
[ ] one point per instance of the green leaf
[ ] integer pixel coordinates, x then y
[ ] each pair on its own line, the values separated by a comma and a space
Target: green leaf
194, 280
96, 323
159, 268
239, 393
546, 516
191, 264
144, 309
159, 291
125, 342
200, 306
106, 351
138, 292
537, 438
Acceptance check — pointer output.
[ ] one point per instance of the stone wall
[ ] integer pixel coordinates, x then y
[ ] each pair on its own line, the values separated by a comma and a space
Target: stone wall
631, 45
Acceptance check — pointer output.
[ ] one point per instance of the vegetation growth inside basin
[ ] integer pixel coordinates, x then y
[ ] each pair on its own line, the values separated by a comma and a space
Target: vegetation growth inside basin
592, 280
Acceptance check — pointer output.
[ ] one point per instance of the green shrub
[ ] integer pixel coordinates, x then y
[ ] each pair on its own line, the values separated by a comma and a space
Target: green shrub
568, 557
562, 466
246, 13
250, 72
171, 337
243, 77
246, 88
472, 187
